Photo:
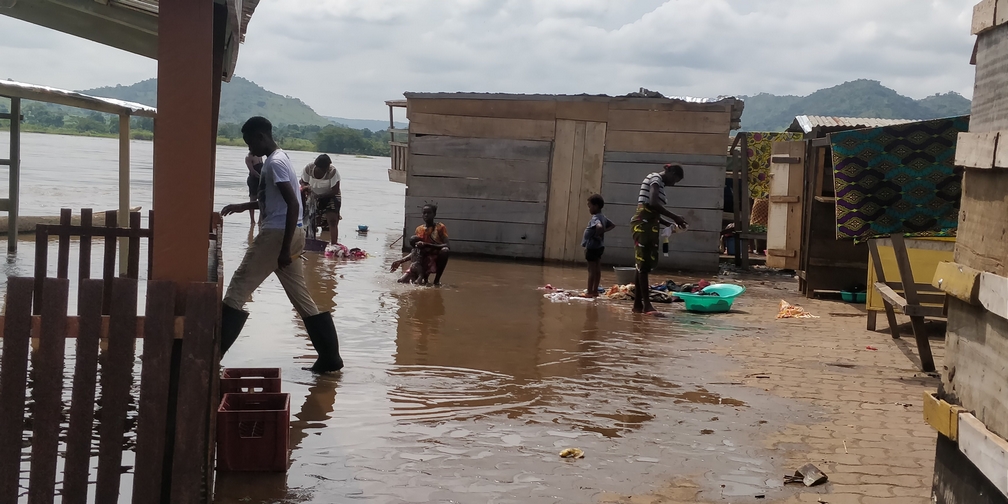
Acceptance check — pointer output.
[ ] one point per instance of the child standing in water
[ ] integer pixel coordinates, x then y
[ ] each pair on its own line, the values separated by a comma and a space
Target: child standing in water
594, 242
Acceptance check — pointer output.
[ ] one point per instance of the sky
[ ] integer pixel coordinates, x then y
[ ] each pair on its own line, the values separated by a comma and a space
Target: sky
346, 57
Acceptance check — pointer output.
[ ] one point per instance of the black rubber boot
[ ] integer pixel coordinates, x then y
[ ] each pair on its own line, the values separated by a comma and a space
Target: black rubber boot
232, 322
322, 332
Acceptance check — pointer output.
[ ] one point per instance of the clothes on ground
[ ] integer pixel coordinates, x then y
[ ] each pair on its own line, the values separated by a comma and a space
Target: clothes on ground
644, 197
788, 310
626, 293
593, 238
261, 260
277, 169
340, 251
594, 254
645, 227
324, 185
898, 179
437, 235
759, 147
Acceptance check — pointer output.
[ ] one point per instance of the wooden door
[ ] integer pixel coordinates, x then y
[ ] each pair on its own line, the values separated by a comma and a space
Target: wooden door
785, 215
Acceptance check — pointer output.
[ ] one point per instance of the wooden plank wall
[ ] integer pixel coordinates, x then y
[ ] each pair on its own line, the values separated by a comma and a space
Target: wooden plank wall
642, 135
576, 175
485, 163
977, 339
511, 176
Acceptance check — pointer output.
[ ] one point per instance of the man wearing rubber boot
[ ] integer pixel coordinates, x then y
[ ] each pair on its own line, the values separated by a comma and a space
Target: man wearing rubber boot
276, 249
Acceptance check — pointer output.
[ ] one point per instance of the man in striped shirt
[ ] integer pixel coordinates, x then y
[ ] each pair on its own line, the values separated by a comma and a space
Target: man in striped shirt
650, 216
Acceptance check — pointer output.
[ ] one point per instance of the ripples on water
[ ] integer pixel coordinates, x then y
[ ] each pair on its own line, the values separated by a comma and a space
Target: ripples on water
466, 390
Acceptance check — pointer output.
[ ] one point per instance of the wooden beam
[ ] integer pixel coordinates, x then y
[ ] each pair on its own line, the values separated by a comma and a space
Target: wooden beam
14, 178
993, 294
985, 449
124, 184
1001, 13
976, 150
983, 16
184, 140
942, 416
509, 109
958, 281
670, 143
481, 127
73, 326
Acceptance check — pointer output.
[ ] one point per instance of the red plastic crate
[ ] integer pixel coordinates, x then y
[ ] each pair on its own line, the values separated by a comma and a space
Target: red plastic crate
253, 432
234, 380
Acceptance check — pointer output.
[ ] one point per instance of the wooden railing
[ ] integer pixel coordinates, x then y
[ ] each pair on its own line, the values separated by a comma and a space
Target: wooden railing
400, 157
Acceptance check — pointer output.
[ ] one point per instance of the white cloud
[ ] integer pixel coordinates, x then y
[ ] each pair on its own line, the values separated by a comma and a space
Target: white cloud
345, 57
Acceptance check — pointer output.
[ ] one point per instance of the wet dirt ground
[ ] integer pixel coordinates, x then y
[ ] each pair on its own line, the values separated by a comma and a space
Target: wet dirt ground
468, 392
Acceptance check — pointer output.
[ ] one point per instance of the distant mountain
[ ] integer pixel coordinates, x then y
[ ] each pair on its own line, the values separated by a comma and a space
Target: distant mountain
240, 99
858, 98
364, 123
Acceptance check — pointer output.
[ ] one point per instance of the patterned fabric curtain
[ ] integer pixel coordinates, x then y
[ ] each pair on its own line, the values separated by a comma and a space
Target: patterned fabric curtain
758, 156
898, 179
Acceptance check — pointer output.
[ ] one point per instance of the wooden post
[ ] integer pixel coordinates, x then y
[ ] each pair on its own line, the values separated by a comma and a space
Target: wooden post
124, 185
14, 185
184, 140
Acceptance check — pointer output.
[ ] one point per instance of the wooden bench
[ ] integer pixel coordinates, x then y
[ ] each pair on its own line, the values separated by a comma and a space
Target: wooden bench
915, 300
177, 382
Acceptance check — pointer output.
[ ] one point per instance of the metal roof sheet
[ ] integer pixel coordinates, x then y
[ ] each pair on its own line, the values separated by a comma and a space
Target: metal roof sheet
806, 123
130, 25
47, 94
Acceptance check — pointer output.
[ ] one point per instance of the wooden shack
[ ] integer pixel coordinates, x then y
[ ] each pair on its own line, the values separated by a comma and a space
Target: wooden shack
801, 229
511, 173
970, 411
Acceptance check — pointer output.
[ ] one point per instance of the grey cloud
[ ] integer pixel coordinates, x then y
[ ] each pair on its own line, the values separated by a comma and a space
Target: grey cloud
345, 57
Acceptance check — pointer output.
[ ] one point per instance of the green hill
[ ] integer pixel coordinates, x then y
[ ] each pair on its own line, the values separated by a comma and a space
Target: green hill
858, 98
240, 99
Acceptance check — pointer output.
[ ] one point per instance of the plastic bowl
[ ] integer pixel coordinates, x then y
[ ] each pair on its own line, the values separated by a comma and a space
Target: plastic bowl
712, 304
625, 275
362, 228
854, 297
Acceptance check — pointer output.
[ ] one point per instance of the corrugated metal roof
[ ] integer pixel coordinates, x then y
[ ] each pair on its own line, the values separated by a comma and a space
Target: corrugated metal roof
130, 25
806, 123
47, 94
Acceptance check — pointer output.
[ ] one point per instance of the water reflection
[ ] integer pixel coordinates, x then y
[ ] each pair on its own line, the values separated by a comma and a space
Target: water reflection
497, 347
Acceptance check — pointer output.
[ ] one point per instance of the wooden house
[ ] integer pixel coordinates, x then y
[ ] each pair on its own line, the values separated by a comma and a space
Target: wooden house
511, 173
970, 410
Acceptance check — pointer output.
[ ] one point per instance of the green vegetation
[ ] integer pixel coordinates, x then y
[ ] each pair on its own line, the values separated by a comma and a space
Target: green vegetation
48, 118
240, 99
296, 125
859, 98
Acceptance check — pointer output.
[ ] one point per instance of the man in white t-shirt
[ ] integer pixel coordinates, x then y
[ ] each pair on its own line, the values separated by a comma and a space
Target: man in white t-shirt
276, 249
323, 181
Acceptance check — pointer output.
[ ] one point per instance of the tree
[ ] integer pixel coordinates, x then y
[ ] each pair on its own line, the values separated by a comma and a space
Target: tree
41, 115
341, 140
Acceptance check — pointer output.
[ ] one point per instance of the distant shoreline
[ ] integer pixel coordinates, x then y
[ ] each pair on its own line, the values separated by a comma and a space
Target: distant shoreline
149, 136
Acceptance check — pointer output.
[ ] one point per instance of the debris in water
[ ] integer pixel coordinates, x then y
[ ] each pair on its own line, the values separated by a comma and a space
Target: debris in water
869, 347
808, 474
788, 310
572, 453
706, 431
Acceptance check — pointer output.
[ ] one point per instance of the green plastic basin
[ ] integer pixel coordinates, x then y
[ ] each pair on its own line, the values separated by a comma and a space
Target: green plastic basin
712, 304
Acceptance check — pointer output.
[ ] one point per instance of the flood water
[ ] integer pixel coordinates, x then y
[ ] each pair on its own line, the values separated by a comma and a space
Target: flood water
464, 393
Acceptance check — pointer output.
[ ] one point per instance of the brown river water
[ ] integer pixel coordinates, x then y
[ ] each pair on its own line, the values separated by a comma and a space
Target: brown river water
463, 393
